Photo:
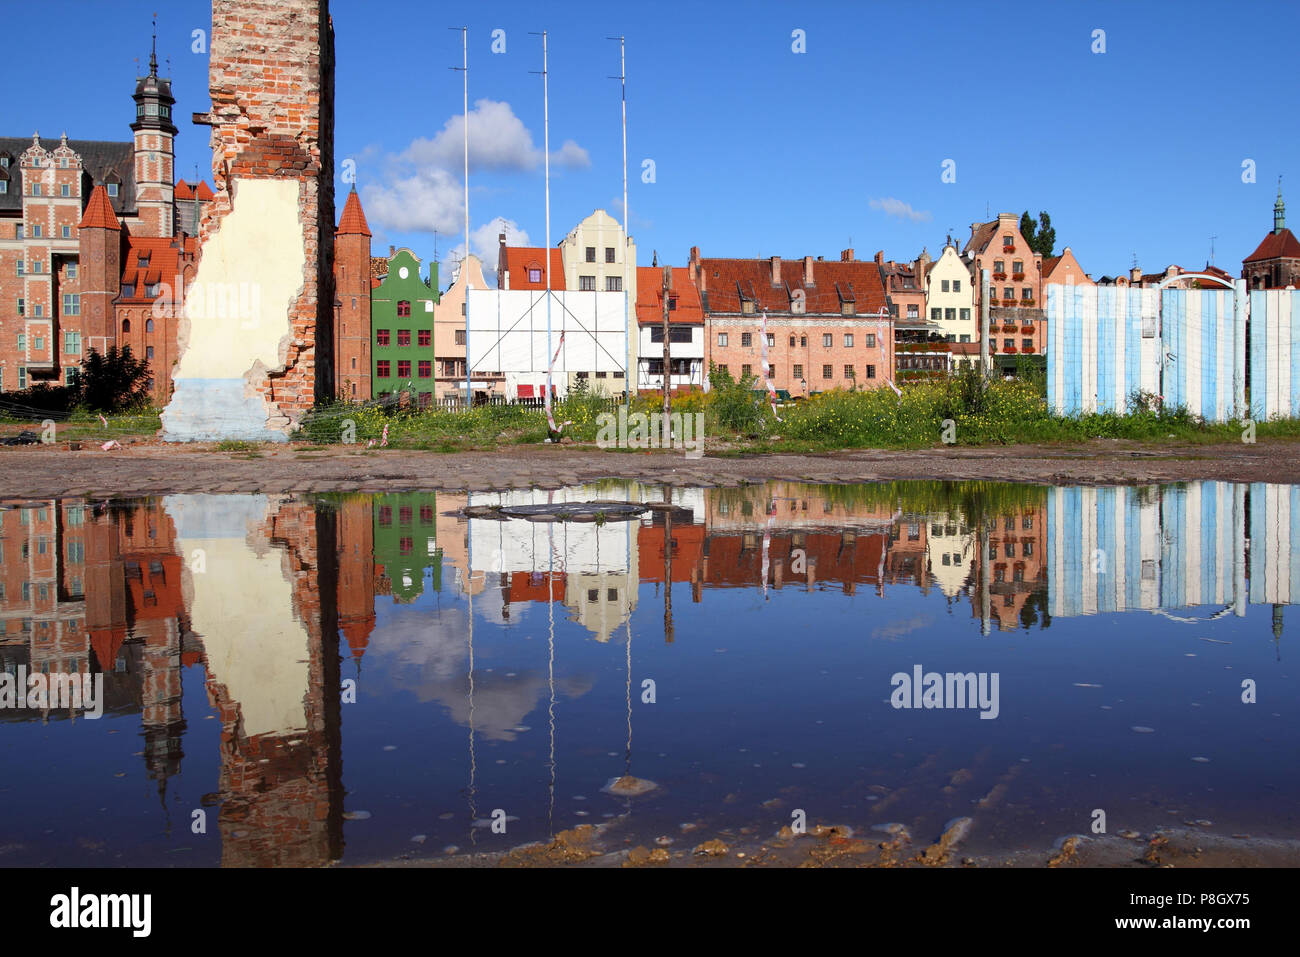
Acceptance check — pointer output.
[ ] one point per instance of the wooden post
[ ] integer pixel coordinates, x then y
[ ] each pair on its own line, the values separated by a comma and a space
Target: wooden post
668, 429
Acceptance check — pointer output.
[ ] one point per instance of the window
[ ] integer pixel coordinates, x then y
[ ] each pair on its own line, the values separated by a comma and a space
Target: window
609, 254
22, 310
956, 285
381, 337
148, 352
848, 308
746, 340
65, 190
4, 186
36, 189
1026, 293
587, 283
965, 338
999, 266
405, 545
22, 377
721, 367
403, 368
460, 337
37, 231
426, 368
848, 340
22, 342
148, 325
798, 371
591, 254
425, 337
72, 303
1008, 344
403, 308
126, 323
67, 232
39, 310
771, 371
404, 514
747, 306
771, 340
381, 369
792, 342
403, 337
1008, 242
722, 339
849, 373
615, 284
803, 342
828, 340
828, 372
871, 372
1008, 293
746, 369
672, 302
943, 286
128, 290
950, 314
112, 189
1018, 267
72, 343
38, 343
965, 314
534, 275
70, 375
871, 340
22, 268
936, 315
1027, 344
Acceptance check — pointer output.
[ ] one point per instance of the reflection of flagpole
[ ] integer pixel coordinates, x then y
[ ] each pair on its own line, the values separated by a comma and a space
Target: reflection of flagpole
550, 647
469, 582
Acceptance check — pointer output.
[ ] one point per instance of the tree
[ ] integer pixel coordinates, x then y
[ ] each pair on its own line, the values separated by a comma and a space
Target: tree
114, 381
1040, 236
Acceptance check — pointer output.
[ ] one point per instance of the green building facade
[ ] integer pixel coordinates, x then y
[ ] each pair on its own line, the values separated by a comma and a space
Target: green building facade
401, 329
406, 544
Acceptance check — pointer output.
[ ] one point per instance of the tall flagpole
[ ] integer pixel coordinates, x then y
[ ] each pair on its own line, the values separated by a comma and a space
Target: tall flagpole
546, 146
629, 308
464, 68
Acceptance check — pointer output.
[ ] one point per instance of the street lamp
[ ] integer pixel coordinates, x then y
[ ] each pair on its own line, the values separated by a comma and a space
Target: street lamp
803, 384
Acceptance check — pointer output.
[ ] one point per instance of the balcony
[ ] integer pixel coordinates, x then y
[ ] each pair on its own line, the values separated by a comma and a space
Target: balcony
922, 347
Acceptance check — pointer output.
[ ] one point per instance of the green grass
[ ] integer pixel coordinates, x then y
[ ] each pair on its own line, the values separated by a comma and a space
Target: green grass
85, 426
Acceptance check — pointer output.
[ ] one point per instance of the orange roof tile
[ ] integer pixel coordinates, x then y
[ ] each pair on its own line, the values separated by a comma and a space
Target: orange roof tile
353, 221
184, 190
162, 256
727, 281
99, 211
1281, 245
650, 298
520, 259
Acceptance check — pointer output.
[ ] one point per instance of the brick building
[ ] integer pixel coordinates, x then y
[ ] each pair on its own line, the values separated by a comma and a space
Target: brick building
352, 284
828, 323
1016, 316
1275, 263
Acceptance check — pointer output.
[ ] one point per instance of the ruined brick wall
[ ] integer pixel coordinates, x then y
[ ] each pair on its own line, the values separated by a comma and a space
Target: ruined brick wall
271, 74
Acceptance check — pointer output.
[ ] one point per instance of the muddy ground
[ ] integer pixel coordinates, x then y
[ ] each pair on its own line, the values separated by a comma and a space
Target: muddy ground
144, 467
842, 846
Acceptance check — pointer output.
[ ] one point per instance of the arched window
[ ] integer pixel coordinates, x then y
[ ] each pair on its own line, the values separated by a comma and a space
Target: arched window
126, 325
148, 325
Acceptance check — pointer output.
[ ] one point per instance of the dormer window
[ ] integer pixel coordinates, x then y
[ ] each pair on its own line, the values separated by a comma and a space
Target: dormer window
747, 306
112, 188
534, 274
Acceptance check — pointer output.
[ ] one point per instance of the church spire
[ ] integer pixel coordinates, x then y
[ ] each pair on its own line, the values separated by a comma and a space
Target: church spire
1279, 210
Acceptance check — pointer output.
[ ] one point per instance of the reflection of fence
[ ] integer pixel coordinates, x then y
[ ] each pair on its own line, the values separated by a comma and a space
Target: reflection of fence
1164, 548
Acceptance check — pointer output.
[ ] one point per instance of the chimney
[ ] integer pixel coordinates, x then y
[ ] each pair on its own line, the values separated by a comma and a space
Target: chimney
808, 279
392, 251
697, 274
776, 270
880, 257
1135, 274
846, 255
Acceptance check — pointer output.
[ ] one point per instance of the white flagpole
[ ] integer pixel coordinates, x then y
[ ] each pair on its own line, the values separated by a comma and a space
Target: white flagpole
464, 68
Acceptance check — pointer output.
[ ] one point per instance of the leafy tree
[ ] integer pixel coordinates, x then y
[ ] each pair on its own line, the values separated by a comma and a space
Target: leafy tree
1040, 236
115, 381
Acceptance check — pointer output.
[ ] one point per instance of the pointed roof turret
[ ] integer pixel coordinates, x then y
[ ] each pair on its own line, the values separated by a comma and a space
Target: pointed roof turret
99, 211
353, 222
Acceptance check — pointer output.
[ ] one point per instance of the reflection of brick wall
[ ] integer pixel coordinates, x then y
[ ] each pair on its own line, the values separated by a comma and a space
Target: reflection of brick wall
271, 72
281, 794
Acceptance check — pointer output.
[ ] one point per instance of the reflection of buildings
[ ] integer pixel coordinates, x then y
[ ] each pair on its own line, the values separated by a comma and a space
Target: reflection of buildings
1012, 572
406, 544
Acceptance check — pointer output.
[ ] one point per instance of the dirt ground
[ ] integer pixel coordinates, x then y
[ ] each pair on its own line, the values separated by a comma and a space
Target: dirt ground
144, 467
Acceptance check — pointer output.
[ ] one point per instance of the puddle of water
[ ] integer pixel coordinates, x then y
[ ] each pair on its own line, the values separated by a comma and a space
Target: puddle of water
299, 679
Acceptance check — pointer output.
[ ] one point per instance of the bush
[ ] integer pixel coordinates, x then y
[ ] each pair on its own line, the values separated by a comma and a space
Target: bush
115, 381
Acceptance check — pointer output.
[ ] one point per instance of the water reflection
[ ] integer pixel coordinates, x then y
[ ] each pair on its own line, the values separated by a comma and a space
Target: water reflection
484, 654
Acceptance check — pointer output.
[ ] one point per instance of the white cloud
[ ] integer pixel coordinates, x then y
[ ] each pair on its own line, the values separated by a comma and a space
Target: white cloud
498, 140
901, 210
421, 200
484, 243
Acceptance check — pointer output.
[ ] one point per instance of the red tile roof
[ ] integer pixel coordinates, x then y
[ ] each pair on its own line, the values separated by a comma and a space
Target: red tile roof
1281, 245
184, 190
353, 221
650, 296
725, 281
99, 211
520, 259
163, 263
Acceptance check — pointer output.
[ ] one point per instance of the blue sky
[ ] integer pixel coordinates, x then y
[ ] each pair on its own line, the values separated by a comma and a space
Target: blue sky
759, 150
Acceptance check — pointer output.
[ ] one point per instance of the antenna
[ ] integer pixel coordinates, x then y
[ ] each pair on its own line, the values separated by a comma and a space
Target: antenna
1212, 239
627, 223
464, 68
